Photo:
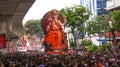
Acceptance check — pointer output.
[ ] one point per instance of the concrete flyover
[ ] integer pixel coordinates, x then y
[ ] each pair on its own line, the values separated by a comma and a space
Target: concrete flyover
12, 13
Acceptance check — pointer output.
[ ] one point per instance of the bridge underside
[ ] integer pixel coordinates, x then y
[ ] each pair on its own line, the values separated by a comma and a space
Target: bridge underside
12, 13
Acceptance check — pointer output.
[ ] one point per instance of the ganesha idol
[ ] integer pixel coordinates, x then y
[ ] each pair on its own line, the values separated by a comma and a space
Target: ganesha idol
53, 26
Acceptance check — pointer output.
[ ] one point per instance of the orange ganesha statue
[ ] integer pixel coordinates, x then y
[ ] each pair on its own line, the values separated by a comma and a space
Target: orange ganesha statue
53, 26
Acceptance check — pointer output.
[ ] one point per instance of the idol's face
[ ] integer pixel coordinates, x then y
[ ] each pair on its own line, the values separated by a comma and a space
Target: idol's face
54, 13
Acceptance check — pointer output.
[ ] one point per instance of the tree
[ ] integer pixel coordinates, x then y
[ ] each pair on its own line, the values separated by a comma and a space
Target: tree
116, 18
76, 16
102, 22
98, 24
33, 26
116, 23
92, 28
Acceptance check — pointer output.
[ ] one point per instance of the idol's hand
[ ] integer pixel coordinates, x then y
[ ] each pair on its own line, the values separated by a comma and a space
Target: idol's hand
65, 21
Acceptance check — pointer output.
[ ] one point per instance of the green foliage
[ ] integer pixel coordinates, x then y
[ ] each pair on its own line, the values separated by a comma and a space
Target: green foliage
116, 18
102, 22
92, 48
98, 24
92, 27
76, 16
72, 44
33, 26
86, 43
103, 47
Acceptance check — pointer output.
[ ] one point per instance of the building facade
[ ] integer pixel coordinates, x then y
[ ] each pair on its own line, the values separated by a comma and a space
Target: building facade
97, 7
113, 5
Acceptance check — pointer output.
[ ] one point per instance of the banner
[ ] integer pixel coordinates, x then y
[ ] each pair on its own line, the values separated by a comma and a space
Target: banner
30, 43
2, 40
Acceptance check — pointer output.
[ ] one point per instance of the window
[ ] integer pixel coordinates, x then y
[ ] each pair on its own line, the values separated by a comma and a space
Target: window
101, 3
102, 11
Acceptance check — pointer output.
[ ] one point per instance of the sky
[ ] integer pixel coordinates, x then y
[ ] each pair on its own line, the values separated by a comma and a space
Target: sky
40, 7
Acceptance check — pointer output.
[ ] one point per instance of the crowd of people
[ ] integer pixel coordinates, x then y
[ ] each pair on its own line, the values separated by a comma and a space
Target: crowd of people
81, 59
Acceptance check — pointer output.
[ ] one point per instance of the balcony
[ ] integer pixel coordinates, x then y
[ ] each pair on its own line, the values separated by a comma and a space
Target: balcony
113, 5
